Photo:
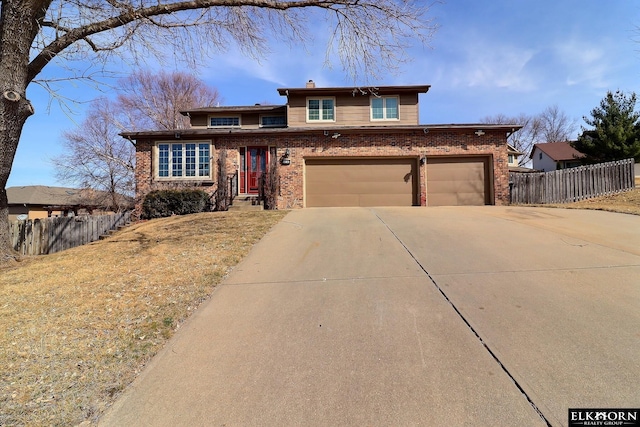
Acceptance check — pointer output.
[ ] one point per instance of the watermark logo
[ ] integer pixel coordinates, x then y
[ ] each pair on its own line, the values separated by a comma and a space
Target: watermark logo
604, 417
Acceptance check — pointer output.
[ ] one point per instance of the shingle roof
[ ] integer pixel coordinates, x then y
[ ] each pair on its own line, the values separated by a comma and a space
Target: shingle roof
237, 109
512, 150
43, 195
558, 151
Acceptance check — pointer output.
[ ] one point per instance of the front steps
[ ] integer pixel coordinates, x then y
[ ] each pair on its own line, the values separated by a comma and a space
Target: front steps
246, 203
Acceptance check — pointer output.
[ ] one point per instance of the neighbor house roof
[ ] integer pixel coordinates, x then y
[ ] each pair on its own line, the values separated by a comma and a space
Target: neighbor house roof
512, 150
42, 195
558, 151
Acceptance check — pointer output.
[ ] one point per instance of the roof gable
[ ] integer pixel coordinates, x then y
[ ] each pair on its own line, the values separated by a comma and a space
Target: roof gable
558, 151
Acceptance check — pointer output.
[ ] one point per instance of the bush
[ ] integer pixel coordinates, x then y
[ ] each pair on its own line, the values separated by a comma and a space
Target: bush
163, 203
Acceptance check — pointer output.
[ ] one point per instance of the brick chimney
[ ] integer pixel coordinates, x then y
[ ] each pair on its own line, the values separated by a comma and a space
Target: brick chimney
311, 84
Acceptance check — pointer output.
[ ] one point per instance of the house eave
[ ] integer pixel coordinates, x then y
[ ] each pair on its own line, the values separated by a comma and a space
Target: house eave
236, 109
353, 90
206, 132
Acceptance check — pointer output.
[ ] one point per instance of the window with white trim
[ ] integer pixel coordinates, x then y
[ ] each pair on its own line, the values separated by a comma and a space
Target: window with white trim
188, 160
384, 108
273, 121
321, 109
224, 122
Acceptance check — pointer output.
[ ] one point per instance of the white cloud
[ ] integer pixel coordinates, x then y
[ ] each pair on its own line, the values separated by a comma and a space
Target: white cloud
489, 65
586, 63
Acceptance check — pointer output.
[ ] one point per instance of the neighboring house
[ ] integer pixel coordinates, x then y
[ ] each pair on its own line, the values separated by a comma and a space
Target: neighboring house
514, 161
513, 155
338, 146
40, 201
555, 155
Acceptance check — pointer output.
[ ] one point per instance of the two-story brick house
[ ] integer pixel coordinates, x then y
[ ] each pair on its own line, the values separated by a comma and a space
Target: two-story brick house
339, 146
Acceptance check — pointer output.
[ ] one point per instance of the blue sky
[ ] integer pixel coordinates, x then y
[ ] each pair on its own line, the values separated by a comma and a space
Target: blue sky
492, 57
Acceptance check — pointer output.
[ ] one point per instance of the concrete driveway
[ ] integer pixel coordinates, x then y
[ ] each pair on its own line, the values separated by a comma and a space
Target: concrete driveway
488, 316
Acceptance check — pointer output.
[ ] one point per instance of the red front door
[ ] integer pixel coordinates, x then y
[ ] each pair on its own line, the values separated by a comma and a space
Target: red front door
256, 165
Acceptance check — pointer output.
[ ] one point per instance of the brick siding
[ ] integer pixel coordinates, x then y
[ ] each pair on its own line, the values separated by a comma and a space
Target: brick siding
417, 144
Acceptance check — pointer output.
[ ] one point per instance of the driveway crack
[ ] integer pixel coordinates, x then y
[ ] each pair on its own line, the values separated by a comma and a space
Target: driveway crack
467, 323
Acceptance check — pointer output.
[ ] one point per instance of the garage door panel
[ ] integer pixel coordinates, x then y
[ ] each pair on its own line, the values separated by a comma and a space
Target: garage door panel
456, 199
460, 181
331, 187
459, 187
358, 200
356, 173
360, 182
328, 200
392, 199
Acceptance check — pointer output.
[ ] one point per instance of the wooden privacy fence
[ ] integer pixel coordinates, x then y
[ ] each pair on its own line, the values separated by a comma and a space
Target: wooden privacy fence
571, 185
49, 235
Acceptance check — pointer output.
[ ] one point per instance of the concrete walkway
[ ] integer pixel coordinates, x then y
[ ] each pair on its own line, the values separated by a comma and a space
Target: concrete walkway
406, 317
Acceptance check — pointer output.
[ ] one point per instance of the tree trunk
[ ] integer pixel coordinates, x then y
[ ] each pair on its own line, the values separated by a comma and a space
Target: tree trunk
12, 120
18, 28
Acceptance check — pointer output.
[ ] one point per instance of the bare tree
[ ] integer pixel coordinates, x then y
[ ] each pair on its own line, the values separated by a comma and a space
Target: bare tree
551, 125
154, 101
368, 36
555, 125
523, 139
96, 156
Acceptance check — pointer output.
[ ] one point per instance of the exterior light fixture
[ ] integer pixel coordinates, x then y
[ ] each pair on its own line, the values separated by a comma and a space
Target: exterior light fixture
285, 160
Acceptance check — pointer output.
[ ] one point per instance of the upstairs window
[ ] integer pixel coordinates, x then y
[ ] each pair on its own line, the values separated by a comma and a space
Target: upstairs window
224, 122
320, 110
184, 160
384, 108
273, 121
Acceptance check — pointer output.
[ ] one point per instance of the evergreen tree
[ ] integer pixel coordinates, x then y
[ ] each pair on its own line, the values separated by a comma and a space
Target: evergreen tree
616, 130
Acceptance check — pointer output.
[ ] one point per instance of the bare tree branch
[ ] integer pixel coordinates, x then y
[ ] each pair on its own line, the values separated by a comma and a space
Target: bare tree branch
97, 157
551, 125
360, 45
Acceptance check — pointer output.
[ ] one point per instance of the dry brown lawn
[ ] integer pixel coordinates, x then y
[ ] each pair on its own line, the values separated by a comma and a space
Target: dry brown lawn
626, 202
76, 327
